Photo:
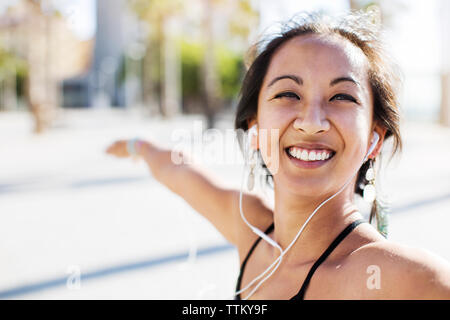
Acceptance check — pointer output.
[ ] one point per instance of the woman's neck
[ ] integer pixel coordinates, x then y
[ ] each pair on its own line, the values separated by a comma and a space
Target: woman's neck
290, 213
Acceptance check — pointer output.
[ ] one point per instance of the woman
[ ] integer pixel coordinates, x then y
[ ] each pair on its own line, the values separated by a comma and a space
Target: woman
327, 89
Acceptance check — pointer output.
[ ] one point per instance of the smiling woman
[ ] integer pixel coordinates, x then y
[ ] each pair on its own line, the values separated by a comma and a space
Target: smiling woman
325, 91
328, 87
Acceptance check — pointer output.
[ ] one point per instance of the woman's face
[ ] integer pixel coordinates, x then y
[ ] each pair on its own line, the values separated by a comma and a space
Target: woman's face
316, 92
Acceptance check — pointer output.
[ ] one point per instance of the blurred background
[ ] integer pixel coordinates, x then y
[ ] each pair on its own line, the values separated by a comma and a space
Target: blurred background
77, 75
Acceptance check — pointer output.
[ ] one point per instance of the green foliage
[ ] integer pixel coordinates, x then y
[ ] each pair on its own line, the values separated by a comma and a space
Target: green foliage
243, 19
191, 61
229, 68
11, 64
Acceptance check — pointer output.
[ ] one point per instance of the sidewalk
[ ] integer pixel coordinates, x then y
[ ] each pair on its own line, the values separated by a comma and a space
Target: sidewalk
68, 209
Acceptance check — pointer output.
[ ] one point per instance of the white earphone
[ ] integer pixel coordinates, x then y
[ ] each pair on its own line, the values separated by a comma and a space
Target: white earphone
253, 131
375, 139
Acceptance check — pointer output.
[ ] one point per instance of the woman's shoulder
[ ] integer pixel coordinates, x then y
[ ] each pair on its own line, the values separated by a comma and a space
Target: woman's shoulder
397, 271
257, 212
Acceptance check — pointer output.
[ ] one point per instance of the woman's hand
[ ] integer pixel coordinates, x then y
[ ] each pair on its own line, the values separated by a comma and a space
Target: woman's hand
120, 149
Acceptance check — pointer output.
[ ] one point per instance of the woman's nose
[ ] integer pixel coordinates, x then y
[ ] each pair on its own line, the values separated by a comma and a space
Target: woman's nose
312, 120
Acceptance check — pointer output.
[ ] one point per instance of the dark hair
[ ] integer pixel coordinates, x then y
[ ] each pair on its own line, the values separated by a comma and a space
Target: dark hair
360, 29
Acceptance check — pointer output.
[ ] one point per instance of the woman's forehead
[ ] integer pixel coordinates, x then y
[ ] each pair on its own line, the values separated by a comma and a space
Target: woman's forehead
321, 55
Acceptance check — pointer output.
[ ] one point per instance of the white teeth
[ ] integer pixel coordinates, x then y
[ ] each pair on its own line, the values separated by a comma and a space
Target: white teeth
309, 156
304, 155
320, 156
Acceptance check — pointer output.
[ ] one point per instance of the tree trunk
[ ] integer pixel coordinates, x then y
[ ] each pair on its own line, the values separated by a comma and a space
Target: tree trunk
10, 94
445, 100
148, 83
444, 118
354, 4
211, 102
41, 84
171, 70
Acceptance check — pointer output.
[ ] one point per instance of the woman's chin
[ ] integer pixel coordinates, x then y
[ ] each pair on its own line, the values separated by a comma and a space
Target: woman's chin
303, 187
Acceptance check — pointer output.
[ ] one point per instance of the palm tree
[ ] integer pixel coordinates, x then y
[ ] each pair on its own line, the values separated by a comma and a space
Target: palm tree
210, 82
156, 13
241, 23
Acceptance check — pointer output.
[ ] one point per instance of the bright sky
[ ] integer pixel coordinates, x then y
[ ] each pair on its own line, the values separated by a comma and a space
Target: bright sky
81, 16
414, 41
418, 20
281, 10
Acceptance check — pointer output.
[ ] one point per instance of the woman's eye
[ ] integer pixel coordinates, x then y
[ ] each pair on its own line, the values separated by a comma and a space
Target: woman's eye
342, 96
287, 94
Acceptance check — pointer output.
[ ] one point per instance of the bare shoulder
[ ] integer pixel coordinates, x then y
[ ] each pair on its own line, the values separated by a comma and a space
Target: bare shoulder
258, 214
397, 271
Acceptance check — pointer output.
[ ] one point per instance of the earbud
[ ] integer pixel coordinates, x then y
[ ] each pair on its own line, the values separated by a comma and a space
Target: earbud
253, 131
375, 139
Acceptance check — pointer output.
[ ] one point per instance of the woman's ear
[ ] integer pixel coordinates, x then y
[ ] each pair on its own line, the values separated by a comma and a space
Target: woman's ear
381, 131
254, 141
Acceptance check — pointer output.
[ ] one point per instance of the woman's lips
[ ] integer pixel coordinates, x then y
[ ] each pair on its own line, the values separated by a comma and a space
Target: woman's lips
309, 164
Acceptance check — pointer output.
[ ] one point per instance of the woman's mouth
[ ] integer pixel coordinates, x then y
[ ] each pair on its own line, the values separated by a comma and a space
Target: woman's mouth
309, 158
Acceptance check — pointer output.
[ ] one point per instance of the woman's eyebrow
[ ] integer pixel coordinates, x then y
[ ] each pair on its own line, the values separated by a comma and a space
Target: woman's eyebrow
298, 80
341, 79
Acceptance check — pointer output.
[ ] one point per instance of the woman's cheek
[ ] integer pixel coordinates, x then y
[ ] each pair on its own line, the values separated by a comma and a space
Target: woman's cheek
269, 147
269, 138
354, 128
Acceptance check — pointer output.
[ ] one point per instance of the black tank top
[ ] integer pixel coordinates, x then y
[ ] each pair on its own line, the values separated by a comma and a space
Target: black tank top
300, 295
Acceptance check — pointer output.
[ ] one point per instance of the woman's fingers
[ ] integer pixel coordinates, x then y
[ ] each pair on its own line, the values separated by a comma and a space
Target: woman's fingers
118, 149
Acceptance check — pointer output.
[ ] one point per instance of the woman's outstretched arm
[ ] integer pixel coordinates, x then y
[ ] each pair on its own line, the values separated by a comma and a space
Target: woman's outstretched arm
203, 192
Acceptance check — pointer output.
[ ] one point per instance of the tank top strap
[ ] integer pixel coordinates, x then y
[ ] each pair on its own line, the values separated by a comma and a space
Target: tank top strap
300, 295
238, 285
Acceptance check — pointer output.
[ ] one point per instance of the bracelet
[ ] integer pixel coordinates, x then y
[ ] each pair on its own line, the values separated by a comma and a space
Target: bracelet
131, 147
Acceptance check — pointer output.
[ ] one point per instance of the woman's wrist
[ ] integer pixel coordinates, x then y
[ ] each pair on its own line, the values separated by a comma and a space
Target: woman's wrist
145, 149
132, 147
137, 148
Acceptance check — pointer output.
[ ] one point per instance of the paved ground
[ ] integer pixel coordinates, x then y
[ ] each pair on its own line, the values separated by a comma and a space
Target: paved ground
78, 224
